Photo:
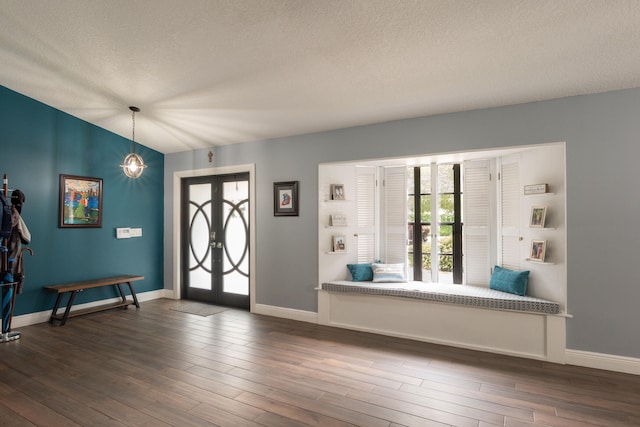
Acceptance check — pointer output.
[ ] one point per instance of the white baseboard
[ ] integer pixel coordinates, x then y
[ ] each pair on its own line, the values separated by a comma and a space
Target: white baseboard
43, 316
609, 362
286, 313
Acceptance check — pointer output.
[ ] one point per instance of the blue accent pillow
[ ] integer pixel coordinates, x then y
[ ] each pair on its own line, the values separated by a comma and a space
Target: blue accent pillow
388, 273
361, 272
511, 281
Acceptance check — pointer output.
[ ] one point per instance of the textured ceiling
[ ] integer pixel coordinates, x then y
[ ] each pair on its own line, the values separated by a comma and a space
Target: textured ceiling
215, 72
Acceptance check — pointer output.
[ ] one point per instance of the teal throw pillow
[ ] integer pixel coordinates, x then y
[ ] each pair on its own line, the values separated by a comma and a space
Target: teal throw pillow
511, 281
361, 272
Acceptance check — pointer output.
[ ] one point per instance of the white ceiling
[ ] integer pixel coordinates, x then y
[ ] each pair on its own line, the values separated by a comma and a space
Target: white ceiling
215, 72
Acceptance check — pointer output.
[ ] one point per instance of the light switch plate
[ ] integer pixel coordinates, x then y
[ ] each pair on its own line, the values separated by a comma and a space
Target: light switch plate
123, 233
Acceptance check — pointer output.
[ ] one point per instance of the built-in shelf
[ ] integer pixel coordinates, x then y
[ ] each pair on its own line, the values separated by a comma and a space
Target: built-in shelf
336, 253
540, 194
336, 226
539, 262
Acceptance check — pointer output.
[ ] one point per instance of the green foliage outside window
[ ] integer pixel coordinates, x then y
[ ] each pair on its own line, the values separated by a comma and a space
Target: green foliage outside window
445, 246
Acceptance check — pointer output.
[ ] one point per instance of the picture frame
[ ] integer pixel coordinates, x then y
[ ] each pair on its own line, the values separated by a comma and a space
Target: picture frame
339, 243
285, 198
538, 250
337, 192
80, 201
538, 216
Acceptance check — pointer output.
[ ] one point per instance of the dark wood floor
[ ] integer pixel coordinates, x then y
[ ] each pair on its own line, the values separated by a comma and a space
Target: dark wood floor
159, 367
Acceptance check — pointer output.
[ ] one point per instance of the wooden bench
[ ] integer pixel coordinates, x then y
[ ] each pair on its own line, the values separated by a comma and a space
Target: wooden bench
74, 288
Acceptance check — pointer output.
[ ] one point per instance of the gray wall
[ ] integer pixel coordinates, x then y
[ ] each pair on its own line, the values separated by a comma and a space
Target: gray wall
602, 134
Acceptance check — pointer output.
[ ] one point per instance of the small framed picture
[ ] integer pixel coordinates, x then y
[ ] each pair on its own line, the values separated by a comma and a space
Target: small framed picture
337, 191
339, 243
285, 198
538, 249
80, 202
338, 220
538, 214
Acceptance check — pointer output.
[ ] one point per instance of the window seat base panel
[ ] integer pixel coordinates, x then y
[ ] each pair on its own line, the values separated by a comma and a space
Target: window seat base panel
517, 333
475, 296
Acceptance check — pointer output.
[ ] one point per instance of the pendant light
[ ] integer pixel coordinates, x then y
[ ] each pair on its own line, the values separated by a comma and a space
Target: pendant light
133, 165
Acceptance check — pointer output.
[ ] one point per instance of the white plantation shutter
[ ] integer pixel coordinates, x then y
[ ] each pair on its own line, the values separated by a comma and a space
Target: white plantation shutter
395, 215
510, 214
477, 221
366, 213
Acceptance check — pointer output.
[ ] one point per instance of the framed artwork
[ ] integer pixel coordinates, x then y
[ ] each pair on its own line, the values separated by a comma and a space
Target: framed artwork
538, 214
538, 249
337, 191
80, 202
339, 243
285, 198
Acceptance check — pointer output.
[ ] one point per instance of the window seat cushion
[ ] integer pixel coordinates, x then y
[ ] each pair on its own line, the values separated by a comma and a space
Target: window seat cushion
475, 296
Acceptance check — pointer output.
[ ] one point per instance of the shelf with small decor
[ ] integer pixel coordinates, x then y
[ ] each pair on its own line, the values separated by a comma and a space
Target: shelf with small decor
538, 223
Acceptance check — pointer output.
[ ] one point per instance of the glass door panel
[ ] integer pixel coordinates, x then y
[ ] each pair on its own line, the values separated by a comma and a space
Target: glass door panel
215, 246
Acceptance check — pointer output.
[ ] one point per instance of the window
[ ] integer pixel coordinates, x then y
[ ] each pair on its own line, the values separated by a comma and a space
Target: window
442, 238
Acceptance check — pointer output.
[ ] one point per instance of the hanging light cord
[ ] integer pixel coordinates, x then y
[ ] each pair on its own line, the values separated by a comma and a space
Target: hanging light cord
133, 130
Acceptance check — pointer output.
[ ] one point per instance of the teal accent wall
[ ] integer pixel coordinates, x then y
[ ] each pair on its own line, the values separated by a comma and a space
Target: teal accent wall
37, 144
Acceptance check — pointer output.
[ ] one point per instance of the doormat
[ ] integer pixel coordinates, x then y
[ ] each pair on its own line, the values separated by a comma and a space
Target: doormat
197, 308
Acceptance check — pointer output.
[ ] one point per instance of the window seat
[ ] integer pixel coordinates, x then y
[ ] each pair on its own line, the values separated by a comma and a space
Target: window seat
455, 315
475, 296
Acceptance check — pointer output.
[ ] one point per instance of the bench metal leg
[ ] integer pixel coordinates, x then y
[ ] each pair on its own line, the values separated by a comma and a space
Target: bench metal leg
133, 295
55, 308
68, 309
122, 295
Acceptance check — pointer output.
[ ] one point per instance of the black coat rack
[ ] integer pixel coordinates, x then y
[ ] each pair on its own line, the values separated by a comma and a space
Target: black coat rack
8, 283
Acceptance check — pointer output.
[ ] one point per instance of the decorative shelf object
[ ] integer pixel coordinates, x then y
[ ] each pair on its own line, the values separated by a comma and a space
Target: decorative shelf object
337, 192
538, 250
536, 189
538, 215
338, 220
339, 243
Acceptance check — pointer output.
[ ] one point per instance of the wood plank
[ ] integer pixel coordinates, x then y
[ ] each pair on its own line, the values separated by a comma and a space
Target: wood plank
92, 283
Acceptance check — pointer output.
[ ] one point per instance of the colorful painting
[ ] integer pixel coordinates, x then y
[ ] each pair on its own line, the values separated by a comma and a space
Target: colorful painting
80, 201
